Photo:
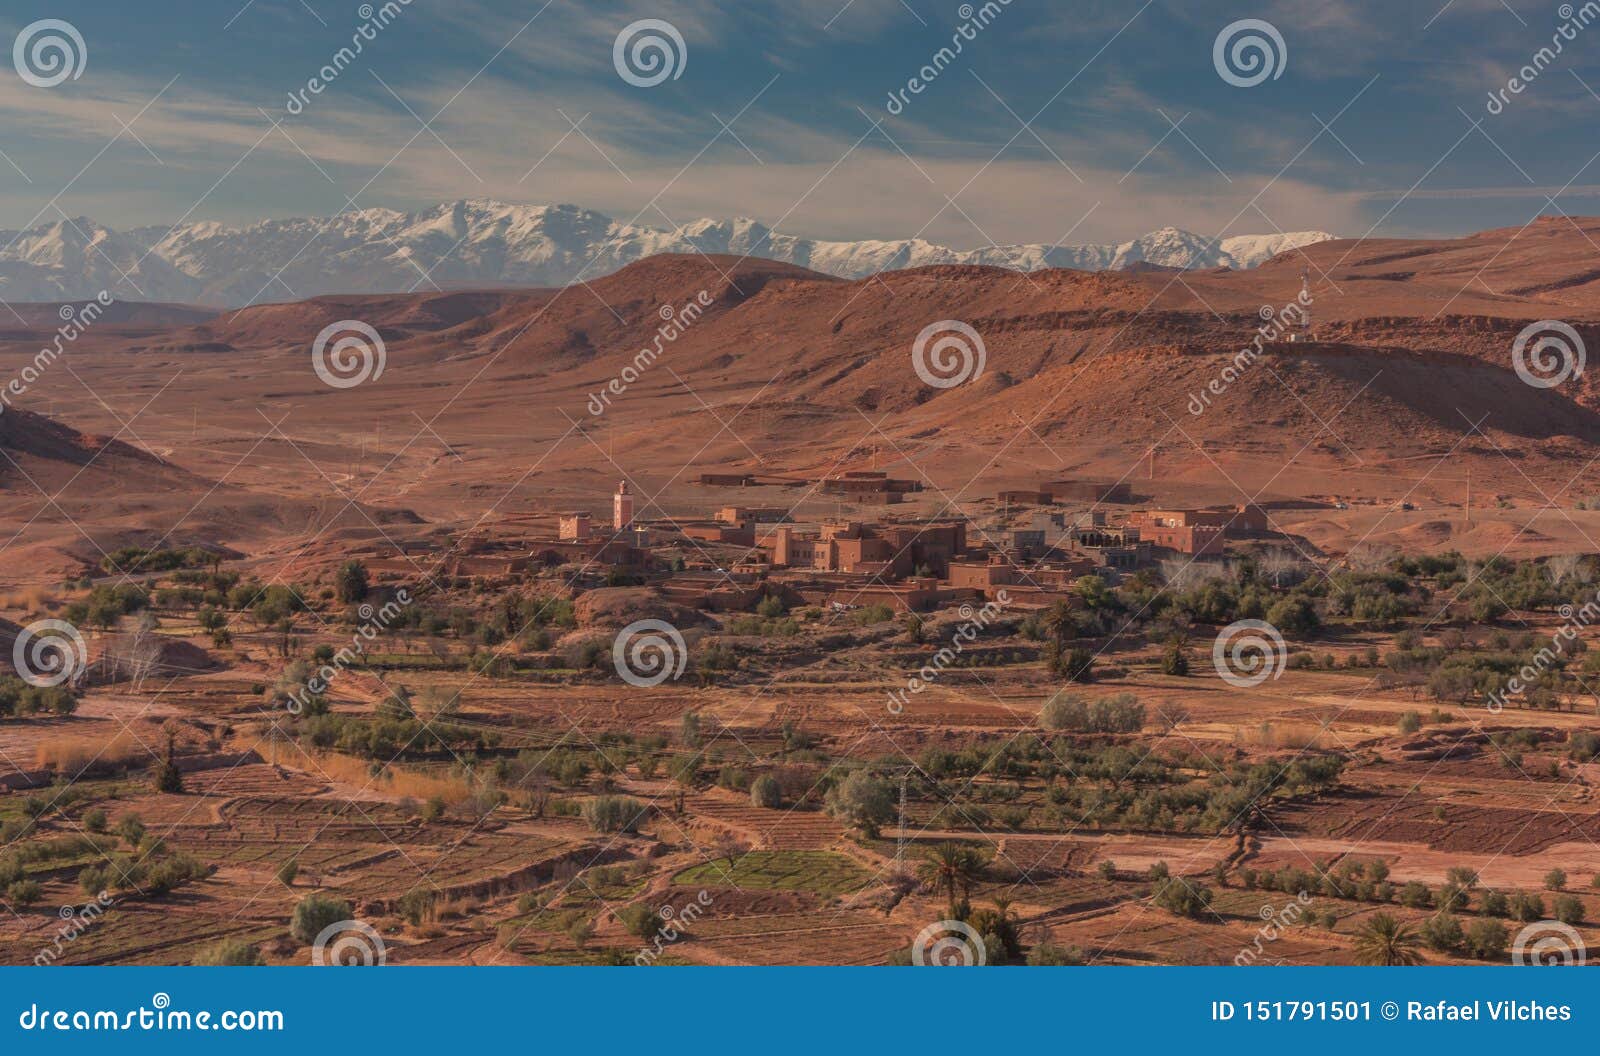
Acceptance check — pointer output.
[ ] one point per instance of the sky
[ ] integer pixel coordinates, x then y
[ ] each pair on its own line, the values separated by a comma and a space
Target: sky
1057, 122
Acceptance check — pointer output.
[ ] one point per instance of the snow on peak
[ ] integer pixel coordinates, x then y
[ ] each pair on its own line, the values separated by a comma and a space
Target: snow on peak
487, 242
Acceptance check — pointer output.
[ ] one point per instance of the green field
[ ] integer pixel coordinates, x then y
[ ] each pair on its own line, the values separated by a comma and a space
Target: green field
817, 872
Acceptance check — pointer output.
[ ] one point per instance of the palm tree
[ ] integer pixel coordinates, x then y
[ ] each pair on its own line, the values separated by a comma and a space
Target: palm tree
1385, 942
951, 867
1060, 623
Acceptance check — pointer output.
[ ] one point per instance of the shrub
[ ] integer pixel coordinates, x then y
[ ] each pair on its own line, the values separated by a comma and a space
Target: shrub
1416, 895
1487, 939
131, 829
1568, 910
352, 582
1121, 713
1410, 722
416, 906
288, 871
1493, 904
1049, 955
1442, 932
314, 913
95, 820
861, 800
230, 953
1177, 895
639, 919
766, 792
1526, 908
1555, 880
614, 813
24, 892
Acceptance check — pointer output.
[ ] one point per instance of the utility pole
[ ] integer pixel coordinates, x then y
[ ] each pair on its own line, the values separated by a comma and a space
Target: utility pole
900, 837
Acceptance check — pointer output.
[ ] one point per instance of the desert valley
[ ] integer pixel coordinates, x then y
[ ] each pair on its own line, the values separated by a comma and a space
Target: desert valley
715, 611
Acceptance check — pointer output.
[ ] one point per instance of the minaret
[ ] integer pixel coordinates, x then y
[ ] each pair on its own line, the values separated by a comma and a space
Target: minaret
622, 507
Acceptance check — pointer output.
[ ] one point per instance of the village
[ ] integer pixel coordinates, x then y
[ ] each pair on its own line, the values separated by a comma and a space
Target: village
1039, 544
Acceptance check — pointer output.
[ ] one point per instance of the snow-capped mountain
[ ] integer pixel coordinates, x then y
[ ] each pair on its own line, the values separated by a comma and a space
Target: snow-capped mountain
480, 242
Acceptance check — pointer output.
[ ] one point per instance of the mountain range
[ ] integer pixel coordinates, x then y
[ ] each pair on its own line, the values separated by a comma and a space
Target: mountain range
485, 243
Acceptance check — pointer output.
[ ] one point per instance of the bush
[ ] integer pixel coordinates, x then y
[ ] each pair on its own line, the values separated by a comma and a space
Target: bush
614, 813
1555, 880
1049, 955
95, 820
352, 582
766, 792
416, 906
1410, 722
131, 829
1568, 910
1416, 895
1121, 713
1525, 908
1493, 904
1487, 939
861, 800
1177, 895
1072, 665
24, 892
288, 871
230, 953
639, 919
1442, 932
314, 913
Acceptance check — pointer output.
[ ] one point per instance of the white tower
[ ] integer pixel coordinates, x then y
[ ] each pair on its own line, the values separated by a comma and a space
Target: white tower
622, 507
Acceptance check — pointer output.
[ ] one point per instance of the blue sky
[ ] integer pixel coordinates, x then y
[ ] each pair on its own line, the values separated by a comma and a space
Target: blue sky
1100, 161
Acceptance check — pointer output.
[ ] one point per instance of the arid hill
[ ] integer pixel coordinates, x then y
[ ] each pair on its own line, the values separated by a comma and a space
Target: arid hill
486, 404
